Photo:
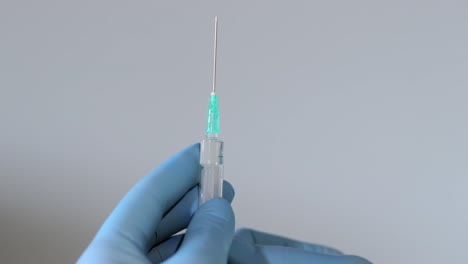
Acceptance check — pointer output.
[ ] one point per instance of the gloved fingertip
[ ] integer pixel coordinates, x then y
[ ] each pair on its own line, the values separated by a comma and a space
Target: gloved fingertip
189, 155
195, 146
193, 149
228, 191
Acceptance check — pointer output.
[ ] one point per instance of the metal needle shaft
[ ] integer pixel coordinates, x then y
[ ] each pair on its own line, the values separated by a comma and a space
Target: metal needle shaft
215, 53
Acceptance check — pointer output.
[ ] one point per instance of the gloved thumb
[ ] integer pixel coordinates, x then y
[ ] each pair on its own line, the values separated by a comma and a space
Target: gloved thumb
209, 235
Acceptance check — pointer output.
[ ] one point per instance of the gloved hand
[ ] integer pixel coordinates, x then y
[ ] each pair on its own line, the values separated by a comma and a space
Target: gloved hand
141, 227
250, 246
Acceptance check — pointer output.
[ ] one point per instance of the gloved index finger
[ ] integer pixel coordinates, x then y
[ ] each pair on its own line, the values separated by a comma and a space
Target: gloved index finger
136, 217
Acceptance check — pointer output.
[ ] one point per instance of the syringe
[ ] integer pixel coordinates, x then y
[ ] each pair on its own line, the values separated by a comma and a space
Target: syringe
211, 148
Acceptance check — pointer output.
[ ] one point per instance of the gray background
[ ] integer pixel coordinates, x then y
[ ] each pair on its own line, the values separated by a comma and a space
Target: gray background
345, 122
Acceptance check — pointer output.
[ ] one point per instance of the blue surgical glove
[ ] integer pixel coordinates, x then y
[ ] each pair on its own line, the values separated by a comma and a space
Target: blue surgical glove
250, 246
142, 227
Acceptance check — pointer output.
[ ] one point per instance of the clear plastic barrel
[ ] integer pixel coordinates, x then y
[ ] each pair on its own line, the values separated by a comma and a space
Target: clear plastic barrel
212, 173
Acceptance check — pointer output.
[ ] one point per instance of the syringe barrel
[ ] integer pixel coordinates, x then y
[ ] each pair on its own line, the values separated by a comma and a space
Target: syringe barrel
212, 173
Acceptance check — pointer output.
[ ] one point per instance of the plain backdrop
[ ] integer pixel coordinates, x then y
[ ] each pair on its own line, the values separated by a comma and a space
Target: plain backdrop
345, 122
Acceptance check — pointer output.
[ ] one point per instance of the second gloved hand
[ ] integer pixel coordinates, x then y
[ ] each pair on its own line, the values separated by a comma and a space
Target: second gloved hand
250, 246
